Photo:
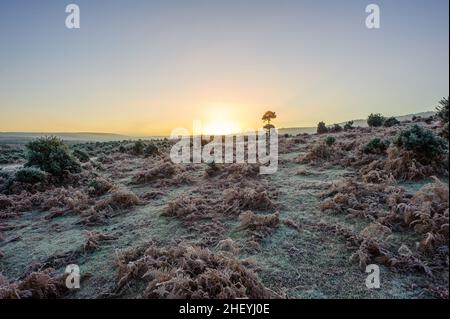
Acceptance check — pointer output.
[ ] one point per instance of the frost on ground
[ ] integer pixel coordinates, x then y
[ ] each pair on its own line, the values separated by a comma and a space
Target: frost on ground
140, 226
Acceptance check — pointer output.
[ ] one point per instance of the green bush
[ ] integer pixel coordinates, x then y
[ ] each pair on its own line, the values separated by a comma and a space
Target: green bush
336, 128
99, 186
426, 145
375, 120
442, 110
151, 149
392, 121
349, 126
444, 131
322, 128
51, 155
82, 156
330, 140
376, 146
30, 175
138, 147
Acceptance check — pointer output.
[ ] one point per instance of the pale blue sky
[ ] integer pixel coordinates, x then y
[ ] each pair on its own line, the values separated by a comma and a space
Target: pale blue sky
143, 67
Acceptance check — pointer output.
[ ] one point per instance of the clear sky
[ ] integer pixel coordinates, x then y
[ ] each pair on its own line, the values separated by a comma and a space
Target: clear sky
145, 67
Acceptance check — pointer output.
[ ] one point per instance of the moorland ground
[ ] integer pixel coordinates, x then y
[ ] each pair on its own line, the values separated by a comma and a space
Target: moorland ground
140, 226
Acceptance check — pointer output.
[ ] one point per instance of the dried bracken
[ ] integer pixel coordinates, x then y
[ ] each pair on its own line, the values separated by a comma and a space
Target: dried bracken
403, 165
159, 170
259, 226
187, 272
248, 198
353, 198
37, 285
120, 199
428, 214
94, 239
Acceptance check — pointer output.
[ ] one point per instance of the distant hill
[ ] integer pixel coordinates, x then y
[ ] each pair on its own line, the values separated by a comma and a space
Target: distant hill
19, 137
360, 122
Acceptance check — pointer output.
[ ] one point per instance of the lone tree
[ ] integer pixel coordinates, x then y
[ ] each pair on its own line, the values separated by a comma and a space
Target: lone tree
267, 117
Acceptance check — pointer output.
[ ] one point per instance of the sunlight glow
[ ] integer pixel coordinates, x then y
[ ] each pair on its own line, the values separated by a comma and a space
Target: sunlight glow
221, 128
220, 119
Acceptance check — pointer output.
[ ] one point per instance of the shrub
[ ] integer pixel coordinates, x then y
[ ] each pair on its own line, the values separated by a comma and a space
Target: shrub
123, 199
330, 140
51, 155
150, 149
376, 146
426, 145
138, 147
336, 128
442, 110
99, 186
392, 121
349, 126
82, 156
375, 120
321, 128
444, 131
30, 175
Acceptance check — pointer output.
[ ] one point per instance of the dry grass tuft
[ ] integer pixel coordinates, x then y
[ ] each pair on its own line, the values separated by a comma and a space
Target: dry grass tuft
248, 198
94, 239
160, 170
187, 272
259, 226
38, 285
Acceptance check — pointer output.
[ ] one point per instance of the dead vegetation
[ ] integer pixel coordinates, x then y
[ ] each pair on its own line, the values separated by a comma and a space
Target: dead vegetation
187, 272
37, 285
94, 239
427, 213
406, 231
259, 226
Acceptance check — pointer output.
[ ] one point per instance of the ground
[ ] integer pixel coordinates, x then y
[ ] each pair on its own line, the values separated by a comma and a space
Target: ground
299, 257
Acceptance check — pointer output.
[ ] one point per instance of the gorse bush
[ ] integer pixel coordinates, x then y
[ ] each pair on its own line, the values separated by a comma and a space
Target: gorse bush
392, 121
151, 149
30, 175
322, 128
376, 146
51, 155
349, 126
82, 156
336, 128
422, 142
442, 110
99, 186
138, 147
330, 140
442, 114
375, 120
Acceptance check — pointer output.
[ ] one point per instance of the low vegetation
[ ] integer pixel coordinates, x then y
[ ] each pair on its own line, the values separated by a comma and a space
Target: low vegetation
146, 227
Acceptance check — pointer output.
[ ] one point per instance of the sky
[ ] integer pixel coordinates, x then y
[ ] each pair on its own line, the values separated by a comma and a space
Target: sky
146, 67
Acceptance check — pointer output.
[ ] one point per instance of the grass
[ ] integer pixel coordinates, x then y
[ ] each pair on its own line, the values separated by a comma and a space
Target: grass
301, 258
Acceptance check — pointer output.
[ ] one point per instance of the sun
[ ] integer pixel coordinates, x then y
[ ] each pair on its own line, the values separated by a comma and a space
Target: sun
221, 128
220, 119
